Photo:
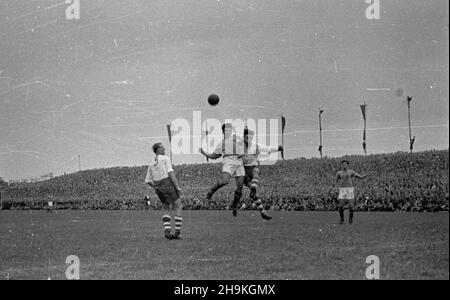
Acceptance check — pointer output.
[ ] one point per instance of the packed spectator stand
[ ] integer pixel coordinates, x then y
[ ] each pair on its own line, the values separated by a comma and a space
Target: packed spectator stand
400, 182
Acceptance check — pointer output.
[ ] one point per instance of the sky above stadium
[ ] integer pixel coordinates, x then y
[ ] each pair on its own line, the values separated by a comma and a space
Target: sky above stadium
104, 87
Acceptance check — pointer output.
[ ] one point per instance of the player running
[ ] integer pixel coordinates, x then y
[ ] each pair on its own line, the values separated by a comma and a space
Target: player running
252, 150
229, 149
161, 177
344, 179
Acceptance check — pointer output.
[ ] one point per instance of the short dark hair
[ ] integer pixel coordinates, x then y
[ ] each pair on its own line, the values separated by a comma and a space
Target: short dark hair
345, 161
156, 146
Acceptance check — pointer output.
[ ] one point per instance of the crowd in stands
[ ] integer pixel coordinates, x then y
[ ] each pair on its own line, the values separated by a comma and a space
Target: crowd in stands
396, 182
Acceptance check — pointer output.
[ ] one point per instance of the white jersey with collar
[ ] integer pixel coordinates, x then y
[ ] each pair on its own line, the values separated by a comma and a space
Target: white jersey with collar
159, 169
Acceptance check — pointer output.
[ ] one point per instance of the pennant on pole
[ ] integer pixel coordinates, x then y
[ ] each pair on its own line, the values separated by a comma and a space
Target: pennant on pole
411, 144
283, 124
411, 139
207, 140
321, 111
283, 127
363, 110
364, 144
169, 132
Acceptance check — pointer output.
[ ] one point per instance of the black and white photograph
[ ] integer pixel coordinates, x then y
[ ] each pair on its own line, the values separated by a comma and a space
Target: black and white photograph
224, 147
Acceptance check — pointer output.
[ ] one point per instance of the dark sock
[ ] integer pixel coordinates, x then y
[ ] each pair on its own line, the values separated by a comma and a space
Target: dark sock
341, 214
237, 198
351, 216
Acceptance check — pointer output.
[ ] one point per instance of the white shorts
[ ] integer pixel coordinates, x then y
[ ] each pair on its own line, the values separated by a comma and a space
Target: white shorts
346, 194
234, 170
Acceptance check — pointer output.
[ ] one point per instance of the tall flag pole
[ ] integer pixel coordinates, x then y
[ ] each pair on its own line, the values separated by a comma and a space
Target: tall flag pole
283, 127
364, 110
169, 133
207, 140
412, 140
320, 132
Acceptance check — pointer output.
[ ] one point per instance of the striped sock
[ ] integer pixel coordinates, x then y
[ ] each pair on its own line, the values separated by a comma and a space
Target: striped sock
259, 205
167, 222
254, 184
178, 222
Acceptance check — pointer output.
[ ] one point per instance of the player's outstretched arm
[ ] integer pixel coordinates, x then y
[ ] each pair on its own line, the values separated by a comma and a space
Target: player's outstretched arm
269, 150
359, 176
212, 156
275, 150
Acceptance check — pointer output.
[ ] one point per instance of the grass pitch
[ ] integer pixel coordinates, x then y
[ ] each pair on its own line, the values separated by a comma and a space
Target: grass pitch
294, 245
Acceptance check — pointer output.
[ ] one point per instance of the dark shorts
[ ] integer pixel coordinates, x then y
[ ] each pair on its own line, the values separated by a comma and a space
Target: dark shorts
166, 191
347, 203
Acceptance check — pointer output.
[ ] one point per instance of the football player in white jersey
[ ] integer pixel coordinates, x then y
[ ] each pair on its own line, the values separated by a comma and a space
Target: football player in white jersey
250, 159
161, 177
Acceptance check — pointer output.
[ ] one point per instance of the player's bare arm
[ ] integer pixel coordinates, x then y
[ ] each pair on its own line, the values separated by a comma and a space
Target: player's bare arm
356, 175
212, 156
275, 150
269, 150
338, 177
